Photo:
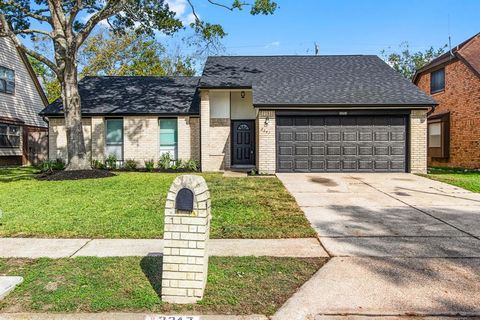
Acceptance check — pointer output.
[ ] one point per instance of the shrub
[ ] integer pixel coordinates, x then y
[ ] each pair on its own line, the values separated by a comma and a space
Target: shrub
192, 165
165, 161
149, 165
51, 165
111, 162
97, 164
131, 165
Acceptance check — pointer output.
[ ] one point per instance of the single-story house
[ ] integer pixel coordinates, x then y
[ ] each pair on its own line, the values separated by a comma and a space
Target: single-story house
349, 113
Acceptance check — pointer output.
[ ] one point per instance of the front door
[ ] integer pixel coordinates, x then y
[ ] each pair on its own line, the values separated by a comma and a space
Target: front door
243, 147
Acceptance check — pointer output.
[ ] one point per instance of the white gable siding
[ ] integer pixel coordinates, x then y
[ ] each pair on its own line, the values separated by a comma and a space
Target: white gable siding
25, 103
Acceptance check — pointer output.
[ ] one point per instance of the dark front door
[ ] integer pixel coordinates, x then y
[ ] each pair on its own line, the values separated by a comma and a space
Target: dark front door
243, 146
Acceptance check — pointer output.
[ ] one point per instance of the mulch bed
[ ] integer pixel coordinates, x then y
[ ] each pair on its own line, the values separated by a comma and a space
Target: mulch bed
75, 175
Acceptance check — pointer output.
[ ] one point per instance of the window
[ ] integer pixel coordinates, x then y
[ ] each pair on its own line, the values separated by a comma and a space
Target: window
168, 136
9, 136
7, 80
114, 138
439, 135
435, 135
437, 81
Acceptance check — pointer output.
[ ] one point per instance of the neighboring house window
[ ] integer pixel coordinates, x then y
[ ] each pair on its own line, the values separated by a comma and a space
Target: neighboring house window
437, 81
7, 80
114, 138
9, 136
439, 136
168, 136
435, 135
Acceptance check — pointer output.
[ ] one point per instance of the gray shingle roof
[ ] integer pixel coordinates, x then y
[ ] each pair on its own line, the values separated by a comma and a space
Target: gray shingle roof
314, 80
135, 95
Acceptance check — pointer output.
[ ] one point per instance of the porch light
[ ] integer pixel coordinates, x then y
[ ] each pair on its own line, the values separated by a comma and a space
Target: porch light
267, 121
242, 94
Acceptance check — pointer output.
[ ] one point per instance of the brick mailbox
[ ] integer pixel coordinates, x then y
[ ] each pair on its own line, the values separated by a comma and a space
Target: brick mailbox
187, 226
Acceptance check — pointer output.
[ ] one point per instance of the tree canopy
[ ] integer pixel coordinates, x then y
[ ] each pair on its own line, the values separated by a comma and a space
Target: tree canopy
407, 62
68, 24
129, 54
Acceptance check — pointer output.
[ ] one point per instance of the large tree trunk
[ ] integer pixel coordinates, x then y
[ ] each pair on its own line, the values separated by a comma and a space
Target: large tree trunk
77, 155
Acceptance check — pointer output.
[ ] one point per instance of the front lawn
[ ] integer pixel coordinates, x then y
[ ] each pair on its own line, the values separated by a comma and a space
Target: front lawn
131, 204
236, 285
465, 179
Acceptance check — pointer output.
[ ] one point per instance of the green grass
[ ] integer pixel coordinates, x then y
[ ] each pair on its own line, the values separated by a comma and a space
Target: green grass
466, 179
236, 285
131, 204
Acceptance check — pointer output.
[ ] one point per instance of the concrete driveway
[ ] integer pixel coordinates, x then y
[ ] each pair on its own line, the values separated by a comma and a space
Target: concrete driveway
401, 245
388, 215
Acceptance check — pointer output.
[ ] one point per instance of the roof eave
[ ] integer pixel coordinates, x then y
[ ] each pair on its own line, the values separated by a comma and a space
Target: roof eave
346, 106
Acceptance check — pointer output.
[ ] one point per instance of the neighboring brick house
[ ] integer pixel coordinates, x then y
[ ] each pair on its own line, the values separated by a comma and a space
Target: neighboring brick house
23, 133
453, 80
273, 114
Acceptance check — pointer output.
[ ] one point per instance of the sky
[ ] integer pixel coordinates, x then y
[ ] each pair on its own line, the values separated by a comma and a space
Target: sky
344, 26
337, 26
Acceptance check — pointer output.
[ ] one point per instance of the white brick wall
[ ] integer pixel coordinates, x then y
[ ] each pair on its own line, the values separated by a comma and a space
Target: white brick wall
266, 147
185, 259
418, 141
141, 138
57, 138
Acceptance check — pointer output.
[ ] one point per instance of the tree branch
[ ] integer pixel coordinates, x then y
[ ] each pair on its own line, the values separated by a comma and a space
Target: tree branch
30, 31
111, 7
28, 13
7, 32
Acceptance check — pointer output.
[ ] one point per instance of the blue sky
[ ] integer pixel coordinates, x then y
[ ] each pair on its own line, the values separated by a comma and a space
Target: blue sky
346, 26
337, 26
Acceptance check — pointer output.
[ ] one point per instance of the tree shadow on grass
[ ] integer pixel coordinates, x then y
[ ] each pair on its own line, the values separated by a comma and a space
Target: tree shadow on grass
152, 268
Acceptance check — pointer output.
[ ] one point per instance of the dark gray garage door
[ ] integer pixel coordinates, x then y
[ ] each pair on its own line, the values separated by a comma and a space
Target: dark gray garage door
341, 143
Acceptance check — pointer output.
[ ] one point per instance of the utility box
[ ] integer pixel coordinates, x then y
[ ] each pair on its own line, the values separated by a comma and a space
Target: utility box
187, 229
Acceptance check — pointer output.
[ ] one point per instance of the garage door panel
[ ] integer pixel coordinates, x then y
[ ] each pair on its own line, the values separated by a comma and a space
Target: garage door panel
333, 136
317, 136
285, 136
350, 136
318, 165
397, 136
285, 151
335, 143
349, 150
317, 151
350, 165
397, 151
301, 151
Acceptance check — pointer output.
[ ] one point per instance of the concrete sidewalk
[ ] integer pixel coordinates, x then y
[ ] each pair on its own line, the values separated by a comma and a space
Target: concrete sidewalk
67, 248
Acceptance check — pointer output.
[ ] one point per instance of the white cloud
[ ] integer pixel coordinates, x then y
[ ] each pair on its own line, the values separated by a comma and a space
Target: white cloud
274, 44
180, 9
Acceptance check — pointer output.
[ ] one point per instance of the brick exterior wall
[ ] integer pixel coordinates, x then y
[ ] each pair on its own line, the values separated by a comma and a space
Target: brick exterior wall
195, 138
462, 99
205, 130
140, 141
215, 138
98, 139
57, 138
188, 138
266, 146
418, 141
